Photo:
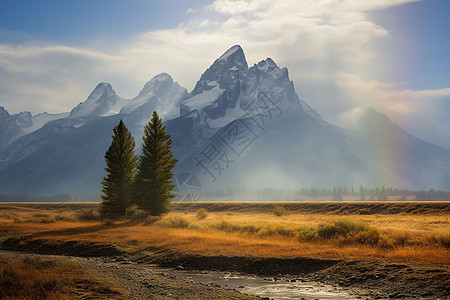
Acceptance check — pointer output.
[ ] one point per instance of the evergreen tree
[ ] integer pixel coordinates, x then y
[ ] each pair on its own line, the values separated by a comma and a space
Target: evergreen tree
153, 184
362, 193
121, 163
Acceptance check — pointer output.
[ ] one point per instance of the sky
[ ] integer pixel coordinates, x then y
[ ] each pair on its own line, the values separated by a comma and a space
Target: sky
343, 56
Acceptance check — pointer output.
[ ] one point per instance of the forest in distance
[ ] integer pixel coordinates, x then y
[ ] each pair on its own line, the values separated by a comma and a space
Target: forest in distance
269, 194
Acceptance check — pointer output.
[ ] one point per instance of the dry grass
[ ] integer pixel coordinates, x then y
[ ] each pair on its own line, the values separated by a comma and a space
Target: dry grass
418, 238
35, 278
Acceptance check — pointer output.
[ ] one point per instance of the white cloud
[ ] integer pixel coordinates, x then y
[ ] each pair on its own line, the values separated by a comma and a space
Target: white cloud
326, 45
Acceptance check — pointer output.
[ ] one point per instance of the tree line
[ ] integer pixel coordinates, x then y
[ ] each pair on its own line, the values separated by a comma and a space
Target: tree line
334, 193
144, 181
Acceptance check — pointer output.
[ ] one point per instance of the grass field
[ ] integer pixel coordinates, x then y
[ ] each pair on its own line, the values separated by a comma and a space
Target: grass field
37, 278
417, 232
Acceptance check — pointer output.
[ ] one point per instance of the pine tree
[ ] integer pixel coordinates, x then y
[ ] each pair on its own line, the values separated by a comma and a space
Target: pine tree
121, 163
153, 184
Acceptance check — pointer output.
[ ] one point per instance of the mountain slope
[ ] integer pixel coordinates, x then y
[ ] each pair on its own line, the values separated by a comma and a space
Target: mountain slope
14, 126
401, 159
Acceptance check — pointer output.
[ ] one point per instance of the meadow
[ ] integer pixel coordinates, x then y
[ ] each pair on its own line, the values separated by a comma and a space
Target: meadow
25, 277
414, 232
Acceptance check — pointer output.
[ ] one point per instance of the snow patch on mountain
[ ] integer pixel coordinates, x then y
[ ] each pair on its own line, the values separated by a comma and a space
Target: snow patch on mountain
115, 109
231, 114
41, 119
204, 99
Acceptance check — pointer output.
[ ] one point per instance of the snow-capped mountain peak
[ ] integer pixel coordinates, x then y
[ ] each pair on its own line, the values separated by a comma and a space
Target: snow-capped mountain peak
161, 93
151, 87
234, 49
266, 65
100, 102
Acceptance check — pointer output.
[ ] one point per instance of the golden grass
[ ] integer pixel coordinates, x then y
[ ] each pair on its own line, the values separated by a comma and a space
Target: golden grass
35, 278
403, 238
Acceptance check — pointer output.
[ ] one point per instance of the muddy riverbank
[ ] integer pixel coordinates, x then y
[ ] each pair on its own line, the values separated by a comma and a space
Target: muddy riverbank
351, 279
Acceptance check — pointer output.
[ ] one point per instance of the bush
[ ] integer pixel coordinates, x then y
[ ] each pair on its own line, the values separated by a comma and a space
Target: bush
279, 210
306, 234
195, 226
276, 229
201, 214
39, 218
250, 228
369, 237
225, 225
63, 218
10, 216
174, 222
31, 278
440, 239
402, 238
386, 242
150, 220
343, 228
87, 215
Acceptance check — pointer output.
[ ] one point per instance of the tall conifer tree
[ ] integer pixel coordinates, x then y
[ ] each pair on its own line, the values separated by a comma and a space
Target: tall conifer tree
121, 163
153, 183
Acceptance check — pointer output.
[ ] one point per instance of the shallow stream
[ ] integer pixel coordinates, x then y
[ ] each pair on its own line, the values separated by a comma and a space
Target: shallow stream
265, 286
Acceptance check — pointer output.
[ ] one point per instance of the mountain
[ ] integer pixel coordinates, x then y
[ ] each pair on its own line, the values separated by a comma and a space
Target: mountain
102, 101
400, 158
14, 126
246, 127
162, 94
67, 155
240, 126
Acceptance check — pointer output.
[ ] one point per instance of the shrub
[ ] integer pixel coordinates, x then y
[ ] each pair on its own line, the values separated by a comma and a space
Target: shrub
250, 228
306, 234
87, 215
10, 216
344, 228
386, 242
227, 226
276, 229
30, 278
201, 214
39, 218
440, 239
279, 210
369, 237
174, 222
263, 232
195, 226
150, 220
40, 215
402, 238
63, 218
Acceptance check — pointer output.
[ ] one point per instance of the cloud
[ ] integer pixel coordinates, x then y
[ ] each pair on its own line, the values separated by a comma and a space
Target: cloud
327, 46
